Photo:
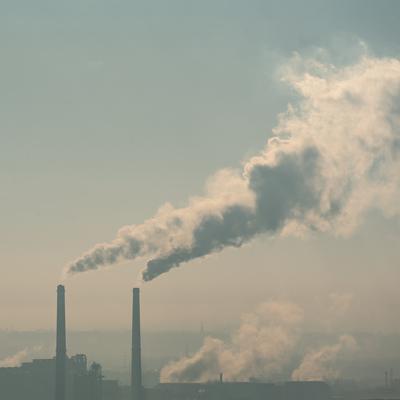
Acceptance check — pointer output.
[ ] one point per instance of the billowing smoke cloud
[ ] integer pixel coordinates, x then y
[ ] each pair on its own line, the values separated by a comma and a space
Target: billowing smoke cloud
260, 347
333, 156
18, 358
319, 365
263, 347
15, 360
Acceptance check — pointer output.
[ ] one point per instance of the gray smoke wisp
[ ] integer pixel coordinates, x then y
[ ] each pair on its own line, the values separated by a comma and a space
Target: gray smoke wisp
333, 155
321, 364
260, 347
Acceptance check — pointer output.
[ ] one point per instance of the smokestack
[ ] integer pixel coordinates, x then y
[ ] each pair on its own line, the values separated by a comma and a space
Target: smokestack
136, 360
391, 378
61, 348
386, 380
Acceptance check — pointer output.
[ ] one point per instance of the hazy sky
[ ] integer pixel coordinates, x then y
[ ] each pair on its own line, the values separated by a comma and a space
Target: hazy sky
111, 109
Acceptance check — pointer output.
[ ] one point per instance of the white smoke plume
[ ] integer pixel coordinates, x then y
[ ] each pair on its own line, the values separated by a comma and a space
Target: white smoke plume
320, 365
334, 155
15, 360
260, 348
18, 358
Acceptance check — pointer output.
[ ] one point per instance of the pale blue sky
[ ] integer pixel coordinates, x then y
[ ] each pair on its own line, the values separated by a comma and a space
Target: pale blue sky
111, 108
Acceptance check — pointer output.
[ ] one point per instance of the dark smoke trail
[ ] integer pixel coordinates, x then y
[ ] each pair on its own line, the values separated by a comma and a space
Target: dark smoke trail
333, 156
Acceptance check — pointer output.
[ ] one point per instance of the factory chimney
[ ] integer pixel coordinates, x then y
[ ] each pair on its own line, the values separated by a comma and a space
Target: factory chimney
61, 356
136, 360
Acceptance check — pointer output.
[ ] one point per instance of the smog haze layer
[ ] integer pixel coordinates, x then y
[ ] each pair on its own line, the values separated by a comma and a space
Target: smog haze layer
110, 112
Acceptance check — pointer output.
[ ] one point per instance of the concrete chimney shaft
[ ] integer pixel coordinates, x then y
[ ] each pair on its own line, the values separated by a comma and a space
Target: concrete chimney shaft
61, 347
136, 360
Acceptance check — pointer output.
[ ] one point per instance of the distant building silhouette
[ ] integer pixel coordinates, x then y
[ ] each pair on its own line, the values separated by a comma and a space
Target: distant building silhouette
36, 381
70, 378
240, 391
58, 378
87, 384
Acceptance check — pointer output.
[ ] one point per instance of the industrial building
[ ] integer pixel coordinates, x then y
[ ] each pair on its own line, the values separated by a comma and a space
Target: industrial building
70, 378
35, 380
240, 391
214, 390
58, 378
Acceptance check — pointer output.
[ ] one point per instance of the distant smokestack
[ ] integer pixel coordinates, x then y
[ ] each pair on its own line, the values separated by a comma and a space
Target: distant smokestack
391, 378
61, 348
386, 380
136, 360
